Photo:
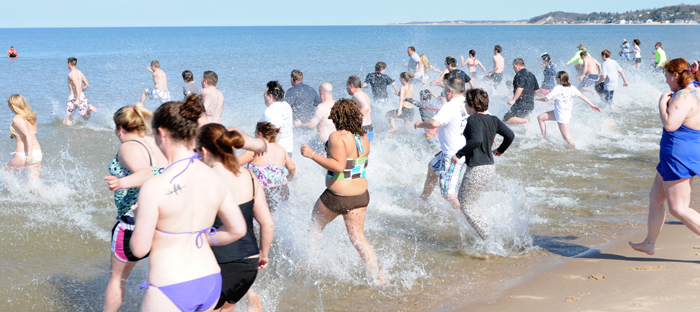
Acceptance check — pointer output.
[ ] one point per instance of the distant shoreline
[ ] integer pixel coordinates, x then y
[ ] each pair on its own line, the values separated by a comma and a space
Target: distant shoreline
528, 24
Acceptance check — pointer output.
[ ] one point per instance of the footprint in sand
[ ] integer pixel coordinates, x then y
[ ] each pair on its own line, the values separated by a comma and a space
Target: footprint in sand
696, 247
572, 276
526, 297
695, 282
596, 277
571, 299
670, 298
650, 268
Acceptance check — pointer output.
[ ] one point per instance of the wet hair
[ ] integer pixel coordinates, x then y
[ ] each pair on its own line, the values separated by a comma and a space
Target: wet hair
180, 119
355, 81
21, 107
583, 53
347, 116
477, 99
546, 58
73, 61
456, 85
412, 48
658, 44
267, 131
220, 142
498, 48
155, 64
451, 61
379, 66
211, 77
407, 76
133, 118
275, 89
564, 78
519, 61
297, 75
187, 76
685, 72
637, 42
472, 53
425, 95
605, 53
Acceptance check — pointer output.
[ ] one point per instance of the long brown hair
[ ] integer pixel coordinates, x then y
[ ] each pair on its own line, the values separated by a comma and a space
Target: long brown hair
685, 72
221, 142
180, 119
346, 116
267, 130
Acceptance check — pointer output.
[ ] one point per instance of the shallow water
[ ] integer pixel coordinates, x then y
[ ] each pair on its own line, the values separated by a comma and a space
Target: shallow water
546, 200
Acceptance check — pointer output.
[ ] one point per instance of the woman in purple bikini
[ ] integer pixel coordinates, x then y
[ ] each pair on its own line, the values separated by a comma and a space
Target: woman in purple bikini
679, 153
174, 218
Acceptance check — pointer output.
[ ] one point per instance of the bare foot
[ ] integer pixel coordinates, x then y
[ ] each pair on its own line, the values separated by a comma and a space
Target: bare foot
644, 246
544, 139
92, 108
391, 131
381, 279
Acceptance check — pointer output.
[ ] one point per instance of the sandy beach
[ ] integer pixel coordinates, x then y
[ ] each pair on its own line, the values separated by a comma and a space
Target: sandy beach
612, 277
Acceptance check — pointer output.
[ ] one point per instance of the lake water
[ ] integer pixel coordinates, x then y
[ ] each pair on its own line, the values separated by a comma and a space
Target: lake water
547, 200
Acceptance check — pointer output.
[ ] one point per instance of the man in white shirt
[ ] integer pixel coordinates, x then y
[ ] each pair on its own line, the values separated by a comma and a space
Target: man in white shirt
414, 64
451, 120
279, 113
607, 83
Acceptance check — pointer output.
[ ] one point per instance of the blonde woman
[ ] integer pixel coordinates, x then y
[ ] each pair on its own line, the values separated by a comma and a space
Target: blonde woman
23, 128
426, 69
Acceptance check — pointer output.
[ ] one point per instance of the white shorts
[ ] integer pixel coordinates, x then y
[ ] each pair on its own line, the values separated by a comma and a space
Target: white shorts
159, 95
562, 116
82, 106
449, 173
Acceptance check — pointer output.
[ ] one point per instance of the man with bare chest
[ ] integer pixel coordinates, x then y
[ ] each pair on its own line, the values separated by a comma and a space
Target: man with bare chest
213, 98
354, 88
77, 102
160, 91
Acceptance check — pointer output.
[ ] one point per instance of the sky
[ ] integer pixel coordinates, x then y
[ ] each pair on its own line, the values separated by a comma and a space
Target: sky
140, 13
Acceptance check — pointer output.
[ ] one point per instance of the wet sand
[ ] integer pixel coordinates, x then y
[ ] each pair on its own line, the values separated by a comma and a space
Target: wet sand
611, 277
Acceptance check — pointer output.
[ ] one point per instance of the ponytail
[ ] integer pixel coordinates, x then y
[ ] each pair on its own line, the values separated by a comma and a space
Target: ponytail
220, 142
133, 119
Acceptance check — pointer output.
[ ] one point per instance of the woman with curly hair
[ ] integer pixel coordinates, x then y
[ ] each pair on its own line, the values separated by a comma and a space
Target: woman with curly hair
346, 186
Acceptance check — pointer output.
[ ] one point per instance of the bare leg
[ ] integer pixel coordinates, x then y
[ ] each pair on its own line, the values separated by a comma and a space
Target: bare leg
320, 217
355, 224
119, 272
564, 128
657, 216
430, 182
541, 119
69, 122
16, 163
454, 202
143, 96
390, 115
253, 302
517, 120
678, 197
35, 169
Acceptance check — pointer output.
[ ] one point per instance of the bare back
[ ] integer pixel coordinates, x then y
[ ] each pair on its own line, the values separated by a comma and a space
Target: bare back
686, 99
213, 103
591, 65
325, 125
362, 100
406, 93
76, 80
498, 63
25, 132
160, 79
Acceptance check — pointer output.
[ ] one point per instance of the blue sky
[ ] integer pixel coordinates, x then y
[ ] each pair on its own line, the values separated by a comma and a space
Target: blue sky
111, 13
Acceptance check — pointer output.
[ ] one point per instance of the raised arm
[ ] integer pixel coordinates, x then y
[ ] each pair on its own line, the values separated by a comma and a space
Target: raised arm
440, 78
464, 63
245, 157
251, 144
428, 124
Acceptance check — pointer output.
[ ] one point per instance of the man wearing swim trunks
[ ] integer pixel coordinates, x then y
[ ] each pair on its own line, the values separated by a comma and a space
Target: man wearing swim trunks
450, 120
160, 91
77, 83
213, 98
354, 88
590, 74
499, 64
523, 101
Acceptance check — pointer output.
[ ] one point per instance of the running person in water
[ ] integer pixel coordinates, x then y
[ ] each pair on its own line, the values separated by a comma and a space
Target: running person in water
176, 210
159, 92
213, 98
24, 129
346, 183
679, 153
138, 159
659, 56
549, 71
637, 52
563, 96
77, 83
590, 74
320, 120
578, 59
240, 260
480, 133
426, 69
273, 168
499, 64
405, 110
361, 99
472, 63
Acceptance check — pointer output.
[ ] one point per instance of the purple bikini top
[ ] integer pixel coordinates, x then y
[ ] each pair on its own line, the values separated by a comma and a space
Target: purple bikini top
199, 240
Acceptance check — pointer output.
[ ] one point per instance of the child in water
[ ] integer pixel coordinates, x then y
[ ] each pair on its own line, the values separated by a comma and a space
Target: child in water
427, 108
563, 96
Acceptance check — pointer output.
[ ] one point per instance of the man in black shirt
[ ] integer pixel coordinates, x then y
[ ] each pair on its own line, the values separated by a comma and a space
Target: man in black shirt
523, 101
451, 64
378, 80
302, 98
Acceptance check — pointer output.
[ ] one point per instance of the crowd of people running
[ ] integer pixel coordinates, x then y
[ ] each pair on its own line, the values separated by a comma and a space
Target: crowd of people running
187, 188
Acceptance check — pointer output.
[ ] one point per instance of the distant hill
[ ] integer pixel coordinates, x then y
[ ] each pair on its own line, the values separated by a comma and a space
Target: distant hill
675, 14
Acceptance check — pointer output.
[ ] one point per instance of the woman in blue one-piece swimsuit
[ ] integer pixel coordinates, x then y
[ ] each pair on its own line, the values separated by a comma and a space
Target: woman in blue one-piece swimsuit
679, 153
174, 218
